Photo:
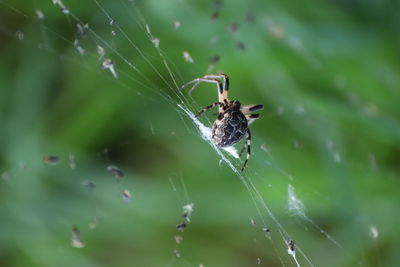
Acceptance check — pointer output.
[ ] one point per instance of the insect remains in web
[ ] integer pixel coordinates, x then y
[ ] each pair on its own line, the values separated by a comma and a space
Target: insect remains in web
233, 119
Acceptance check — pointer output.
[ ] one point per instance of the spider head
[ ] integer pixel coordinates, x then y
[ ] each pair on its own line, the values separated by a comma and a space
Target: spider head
235, 104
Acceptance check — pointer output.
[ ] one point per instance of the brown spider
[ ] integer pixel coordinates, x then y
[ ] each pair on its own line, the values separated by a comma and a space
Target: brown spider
233, 119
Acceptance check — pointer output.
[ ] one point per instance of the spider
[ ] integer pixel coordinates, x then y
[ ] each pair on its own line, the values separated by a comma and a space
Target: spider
233, 119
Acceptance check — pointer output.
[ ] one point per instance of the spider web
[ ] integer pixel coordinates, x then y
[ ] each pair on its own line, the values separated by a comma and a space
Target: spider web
100, 44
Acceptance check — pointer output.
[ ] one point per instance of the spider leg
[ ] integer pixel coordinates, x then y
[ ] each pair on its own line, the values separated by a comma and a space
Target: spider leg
248, 145
213, 78
242, 150
209, 107
225, 84
251, 118
251, 108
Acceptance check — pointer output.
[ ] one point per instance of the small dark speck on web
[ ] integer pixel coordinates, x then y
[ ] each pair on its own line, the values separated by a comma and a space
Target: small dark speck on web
116, 172
88, 184
52, 160
126, 195
181, 227
217, 5
214, 59
265, 230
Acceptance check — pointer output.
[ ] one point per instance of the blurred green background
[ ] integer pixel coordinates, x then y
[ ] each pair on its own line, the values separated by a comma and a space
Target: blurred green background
326, 71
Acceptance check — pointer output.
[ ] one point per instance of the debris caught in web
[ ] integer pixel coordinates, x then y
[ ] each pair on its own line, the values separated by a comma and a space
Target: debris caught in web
20, 35
81, 30
126, 195
265, 230
88, 184
178, 239
63, 8
291, 248
79, 48
75, 239
177, 253
51, 160
156, 42
296, 207
108, 64
264, 148
373, 232
177, 24
274, 30
187, 57
214, 59
40, 14
116, 172
187, 211
101, 52
181, 227
292, 251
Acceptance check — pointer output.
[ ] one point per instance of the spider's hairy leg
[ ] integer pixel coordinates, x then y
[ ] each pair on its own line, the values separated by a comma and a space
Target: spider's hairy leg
248, 145
251, 108
225, 85
251, 118
199, 80
209, 107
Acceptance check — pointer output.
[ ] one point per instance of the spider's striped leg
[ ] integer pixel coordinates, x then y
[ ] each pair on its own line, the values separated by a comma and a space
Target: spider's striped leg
248, 145
242, 150
222, 97
222, 76
208, 107
199, 80
251, 108
251, 118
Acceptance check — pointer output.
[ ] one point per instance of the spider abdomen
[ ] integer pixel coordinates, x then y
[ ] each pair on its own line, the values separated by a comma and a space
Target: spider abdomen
229, 129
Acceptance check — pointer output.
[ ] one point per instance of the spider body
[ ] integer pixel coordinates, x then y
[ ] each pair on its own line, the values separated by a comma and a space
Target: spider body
229, 128
233, 120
